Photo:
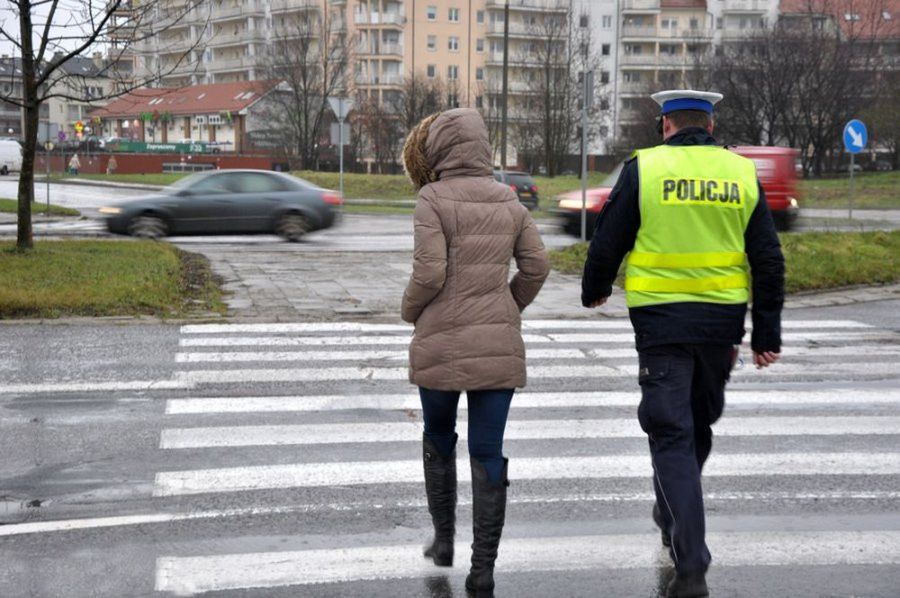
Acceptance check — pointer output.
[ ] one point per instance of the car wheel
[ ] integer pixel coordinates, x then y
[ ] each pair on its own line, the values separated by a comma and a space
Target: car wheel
4, 171
147, 226
292, 226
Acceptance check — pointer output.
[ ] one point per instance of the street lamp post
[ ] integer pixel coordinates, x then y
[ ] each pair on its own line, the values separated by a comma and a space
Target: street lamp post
504, 93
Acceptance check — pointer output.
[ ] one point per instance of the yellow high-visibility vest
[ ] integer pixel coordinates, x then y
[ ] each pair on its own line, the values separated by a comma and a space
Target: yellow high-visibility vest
695, 204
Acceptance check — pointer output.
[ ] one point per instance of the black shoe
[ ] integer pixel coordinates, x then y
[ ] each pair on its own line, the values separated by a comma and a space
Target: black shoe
691, 585
658, 520
440, 488
488, 515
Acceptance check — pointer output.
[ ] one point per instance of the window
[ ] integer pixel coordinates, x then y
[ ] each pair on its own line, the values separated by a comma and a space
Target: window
607, 21
452, 72
479, 45
668, 49
631, 77
431, 13
432, 43
604, 104
851, 16
453, 44
633, 49
604, 76
479, 74
479, 102
669, 24
694, 23
886, 15
453, 101
430, 70
453, 15
479, 16
718, 22
604, 49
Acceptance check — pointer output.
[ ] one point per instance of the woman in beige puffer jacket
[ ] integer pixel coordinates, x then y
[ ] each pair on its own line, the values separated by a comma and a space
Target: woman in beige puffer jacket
466, 311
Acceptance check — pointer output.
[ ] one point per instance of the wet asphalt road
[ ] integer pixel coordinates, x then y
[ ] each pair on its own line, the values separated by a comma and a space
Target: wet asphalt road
300, 476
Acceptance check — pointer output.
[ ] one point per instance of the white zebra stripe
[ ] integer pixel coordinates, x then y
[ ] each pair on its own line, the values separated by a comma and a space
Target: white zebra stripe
193, 574
235, 479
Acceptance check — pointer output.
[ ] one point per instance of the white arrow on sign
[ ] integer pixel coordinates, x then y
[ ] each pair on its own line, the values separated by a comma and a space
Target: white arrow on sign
857, 137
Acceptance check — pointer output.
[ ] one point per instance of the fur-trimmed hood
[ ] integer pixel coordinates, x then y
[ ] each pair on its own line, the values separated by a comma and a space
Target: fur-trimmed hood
450, 144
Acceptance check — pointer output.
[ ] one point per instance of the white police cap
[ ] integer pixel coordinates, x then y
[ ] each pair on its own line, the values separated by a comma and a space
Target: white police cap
686, 99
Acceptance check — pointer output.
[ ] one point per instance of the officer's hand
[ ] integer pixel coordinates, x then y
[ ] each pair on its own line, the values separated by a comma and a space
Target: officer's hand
765, 359
598, 302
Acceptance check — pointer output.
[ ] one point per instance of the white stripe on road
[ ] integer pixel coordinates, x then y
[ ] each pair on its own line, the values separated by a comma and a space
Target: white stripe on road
408, 431
95, 386
588, 371
281, 356
587, 324
294, 327
524, 400
234, 479
193, 574
625, 323
374, 373
594, 339
788, 351
65, 525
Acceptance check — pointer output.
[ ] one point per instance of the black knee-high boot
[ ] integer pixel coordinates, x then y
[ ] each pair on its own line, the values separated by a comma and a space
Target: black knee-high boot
488, 515
440, 488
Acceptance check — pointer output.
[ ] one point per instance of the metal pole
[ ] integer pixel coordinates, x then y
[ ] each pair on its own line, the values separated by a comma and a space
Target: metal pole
341, 138
852, 156
584, 109
47, 160
505, 86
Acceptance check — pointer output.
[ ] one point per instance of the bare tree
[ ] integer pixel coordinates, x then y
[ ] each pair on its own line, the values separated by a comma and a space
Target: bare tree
418, 98
311, 61
381, 132
883, 117
47, 34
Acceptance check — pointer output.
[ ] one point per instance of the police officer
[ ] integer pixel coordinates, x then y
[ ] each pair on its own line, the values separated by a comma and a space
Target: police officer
691, 216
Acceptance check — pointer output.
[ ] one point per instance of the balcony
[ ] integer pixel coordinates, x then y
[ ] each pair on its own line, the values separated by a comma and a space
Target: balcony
518, 29
655, 60
741, 34
686, 33
393, 79
639, 31
230, 11
746, 6
279, 6
640, 5
232, 64
236, 39
377, 18
365, 49
557, 6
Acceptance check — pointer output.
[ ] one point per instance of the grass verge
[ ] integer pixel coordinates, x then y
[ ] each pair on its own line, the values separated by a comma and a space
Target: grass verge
11, 206
104, 278
814, 261
158, 178
871, 190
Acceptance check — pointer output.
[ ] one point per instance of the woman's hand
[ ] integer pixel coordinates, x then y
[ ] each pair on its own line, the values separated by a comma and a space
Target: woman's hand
598, 302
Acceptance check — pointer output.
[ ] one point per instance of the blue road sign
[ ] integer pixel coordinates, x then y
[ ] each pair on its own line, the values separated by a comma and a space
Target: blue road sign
855, 136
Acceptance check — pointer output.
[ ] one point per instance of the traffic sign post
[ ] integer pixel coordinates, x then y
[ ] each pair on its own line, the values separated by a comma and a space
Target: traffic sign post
855, 139
341, 108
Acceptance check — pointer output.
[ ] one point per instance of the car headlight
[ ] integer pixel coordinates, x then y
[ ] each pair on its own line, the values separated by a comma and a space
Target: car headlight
110, 210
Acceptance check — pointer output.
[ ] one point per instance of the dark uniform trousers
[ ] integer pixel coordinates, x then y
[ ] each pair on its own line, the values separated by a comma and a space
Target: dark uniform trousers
682, 395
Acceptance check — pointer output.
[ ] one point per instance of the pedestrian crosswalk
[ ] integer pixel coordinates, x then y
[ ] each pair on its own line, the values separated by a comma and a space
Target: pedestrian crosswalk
325, 410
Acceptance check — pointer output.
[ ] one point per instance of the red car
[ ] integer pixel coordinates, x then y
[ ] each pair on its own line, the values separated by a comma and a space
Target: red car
775, 167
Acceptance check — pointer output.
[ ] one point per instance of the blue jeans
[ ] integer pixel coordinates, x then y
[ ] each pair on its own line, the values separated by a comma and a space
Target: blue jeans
488, 410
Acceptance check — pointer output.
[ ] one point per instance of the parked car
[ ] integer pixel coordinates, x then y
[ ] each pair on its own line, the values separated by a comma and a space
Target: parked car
774, 168
10, 156
522, 183
228, 202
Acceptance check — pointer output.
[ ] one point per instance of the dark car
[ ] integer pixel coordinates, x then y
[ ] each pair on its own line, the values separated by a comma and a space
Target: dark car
227, 202
522, 184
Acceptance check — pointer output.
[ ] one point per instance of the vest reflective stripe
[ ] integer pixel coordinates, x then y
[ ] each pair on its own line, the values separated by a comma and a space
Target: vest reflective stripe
697, 285
695, 203
687, 260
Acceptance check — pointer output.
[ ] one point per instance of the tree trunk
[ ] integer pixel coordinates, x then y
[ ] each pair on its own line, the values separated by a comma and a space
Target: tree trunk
25, 239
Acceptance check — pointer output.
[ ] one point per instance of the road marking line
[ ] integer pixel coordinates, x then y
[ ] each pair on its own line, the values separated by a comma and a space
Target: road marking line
626, 338
65, 525
523, 400
190, 575
96, 386
235, 479
588, 324
280, 356
625, 323
571, 372
409, 431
